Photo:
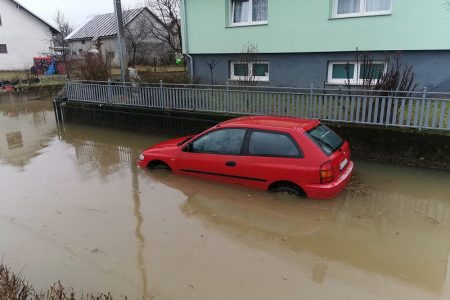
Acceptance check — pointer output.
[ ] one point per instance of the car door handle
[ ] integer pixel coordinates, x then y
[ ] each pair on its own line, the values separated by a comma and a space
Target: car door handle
230, 164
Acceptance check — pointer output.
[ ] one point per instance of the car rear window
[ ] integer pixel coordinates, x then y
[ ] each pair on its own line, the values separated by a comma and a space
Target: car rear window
326, 139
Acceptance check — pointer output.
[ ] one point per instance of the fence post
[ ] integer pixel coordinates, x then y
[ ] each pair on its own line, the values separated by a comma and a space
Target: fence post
109, 91
310, 105
161, 95
228, 96
422, 108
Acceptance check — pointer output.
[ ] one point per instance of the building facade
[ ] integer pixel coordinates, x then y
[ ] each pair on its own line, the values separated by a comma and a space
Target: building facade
100, 33
23, 35
301, 42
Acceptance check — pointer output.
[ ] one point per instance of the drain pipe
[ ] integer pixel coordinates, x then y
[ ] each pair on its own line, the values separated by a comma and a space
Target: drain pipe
185, 41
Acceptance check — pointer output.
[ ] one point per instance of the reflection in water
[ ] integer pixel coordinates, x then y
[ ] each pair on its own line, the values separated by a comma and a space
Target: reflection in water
138, 231
100, 150
14, 140
28, 126
400, 233
97, 149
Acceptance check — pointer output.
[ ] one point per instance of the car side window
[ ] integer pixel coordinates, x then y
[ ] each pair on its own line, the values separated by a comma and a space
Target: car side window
223, 141
272, 144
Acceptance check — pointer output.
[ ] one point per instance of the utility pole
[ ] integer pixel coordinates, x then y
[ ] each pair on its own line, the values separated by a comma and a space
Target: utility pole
123, 57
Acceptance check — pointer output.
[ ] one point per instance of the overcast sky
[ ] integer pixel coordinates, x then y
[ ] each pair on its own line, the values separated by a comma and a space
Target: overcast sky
75, 10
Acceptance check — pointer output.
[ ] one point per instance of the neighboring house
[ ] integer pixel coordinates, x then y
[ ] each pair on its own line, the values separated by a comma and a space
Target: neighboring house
23, 35
100, 33
303, 42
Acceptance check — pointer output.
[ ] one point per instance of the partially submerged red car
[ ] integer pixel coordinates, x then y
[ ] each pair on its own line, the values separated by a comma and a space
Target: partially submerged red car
281, 154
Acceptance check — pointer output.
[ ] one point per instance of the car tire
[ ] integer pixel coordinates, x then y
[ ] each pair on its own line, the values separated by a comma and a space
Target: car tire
159, 166
289, 189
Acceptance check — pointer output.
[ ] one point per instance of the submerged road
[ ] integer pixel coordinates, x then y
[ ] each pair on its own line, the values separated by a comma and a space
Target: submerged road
74, 207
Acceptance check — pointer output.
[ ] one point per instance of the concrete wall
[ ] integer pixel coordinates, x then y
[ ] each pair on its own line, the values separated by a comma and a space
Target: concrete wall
295, 26
397, 146
432, 68
24, 35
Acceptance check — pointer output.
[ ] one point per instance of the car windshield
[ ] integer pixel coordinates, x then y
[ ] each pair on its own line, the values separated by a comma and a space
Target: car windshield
326, 139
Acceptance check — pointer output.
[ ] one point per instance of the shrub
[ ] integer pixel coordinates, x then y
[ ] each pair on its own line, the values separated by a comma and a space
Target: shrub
90, 66
15, 287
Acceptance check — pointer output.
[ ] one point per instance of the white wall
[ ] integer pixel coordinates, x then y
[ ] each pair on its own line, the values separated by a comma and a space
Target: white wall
107, 45
24, 35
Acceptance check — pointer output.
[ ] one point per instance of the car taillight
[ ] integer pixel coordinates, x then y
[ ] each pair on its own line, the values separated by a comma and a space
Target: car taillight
326, 172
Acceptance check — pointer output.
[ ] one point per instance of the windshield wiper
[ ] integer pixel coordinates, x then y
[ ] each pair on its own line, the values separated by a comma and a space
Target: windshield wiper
181, 143
323, 143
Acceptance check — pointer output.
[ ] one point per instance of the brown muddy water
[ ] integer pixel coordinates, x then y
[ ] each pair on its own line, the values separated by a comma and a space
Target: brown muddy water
74, 207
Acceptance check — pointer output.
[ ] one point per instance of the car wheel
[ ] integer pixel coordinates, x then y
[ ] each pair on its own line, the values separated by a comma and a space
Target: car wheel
291, 189
158, 165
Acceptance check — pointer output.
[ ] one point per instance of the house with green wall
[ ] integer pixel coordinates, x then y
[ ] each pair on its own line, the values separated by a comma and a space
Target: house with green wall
302, 42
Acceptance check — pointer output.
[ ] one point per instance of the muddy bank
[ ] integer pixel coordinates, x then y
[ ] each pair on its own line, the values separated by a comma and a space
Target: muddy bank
430, 149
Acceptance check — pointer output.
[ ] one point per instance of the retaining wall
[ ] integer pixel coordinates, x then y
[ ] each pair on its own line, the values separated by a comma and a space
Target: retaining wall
391, 145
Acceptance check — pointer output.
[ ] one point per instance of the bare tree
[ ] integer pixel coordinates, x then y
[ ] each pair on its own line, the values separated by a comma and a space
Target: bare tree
393, 76
212, 64
65, 29
166, 28
137, 36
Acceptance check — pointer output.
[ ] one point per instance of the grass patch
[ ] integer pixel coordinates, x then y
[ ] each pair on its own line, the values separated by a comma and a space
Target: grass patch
24, 79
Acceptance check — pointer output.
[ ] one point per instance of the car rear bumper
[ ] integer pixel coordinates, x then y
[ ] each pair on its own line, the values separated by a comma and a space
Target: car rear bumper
330, 190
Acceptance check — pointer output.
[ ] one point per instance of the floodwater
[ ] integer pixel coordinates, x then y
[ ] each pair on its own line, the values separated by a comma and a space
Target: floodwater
74, 207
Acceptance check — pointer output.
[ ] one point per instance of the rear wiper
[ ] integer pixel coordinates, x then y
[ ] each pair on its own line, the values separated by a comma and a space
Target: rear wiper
324, 143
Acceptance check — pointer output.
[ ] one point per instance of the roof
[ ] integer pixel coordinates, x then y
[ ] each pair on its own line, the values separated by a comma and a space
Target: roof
271, 121
104, 25
53, 28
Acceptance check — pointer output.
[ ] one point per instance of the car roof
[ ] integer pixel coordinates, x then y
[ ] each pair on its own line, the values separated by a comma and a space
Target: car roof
271, 121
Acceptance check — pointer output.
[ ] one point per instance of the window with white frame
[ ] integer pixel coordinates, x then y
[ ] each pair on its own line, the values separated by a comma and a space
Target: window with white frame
352, 72
248, 12
253, 71
355, 8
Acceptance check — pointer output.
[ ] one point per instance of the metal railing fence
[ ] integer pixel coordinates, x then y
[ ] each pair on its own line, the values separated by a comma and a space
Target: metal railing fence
421, 110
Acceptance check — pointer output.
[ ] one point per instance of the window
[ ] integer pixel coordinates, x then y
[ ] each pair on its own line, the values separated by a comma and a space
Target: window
326, 139
354, 8
353, 72
224, 141
83, 42
272, 144
248, 12
1, 20
3, 48
254, 71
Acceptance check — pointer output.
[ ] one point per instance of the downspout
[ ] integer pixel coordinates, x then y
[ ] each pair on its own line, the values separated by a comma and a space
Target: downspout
185, 41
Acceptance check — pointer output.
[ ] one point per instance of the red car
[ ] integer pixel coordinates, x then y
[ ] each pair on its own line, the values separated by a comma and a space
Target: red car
281, 154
